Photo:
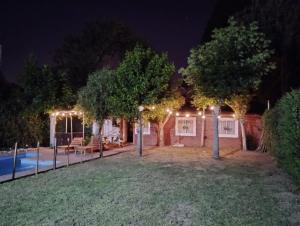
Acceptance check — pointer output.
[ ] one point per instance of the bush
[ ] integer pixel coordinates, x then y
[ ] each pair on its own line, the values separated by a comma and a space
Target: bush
282, 132
289, 133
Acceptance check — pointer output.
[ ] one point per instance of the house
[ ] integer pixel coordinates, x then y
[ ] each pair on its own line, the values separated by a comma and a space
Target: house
187, 130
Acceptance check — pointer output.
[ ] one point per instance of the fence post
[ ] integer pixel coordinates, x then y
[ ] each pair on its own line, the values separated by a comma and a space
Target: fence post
54, 155
15, 159
37, 158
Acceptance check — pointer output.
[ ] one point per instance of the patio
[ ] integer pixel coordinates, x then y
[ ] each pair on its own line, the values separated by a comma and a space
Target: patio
46, 154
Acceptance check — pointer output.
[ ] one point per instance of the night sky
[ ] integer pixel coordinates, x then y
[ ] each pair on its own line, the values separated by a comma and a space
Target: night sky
39, 27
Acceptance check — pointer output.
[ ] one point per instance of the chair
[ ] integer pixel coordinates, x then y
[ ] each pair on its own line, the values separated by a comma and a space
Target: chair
92, 146
76, 141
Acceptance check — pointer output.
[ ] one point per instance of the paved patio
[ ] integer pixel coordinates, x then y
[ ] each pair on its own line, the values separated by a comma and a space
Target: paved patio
47, 154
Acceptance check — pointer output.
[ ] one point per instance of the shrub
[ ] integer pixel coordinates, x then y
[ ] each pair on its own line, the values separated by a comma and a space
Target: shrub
282, 132
289, 133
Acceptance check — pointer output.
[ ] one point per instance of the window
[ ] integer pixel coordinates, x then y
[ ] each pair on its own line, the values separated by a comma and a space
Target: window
185, 126
146, 128
228, 127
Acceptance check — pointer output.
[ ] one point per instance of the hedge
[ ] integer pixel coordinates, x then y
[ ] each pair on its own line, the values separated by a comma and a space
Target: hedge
282, 132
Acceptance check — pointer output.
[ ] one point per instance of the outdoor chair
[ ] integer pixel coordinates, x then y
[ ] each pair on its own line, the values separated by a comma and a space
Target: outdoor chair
92, 146
76, 141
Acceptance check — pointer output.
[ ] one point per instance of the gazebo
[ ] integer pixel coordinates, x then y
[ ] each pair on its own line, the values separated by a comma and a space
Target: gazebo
67, 114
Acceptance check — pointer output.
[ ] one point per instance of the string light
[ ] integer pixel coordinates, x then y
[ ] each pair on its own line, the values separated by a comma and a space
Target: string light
187, 115
203, 116
153, 107
219, 116
177, 114
199, 113
212, 108
233, 115
168, 110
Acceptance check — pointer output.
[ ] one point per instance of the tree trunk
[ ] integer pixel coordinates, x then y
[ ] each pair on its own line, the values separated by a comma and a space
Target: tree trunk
203, 129
262, 146
161, 136
216, 132
160, 131
244, 143
140, 136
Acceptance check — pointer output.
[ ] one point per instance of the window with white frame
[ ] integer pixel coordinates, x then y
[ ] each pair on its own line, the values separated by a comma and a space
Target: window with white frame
228, 127
185, 126
146, 128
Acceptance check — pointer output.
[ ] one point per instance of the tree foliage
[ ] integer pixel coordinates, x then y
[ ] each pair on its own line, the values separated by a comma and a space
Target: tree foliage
95, 97
143, 78
158, 112
102, 43
24, 107
232, 63
280, 21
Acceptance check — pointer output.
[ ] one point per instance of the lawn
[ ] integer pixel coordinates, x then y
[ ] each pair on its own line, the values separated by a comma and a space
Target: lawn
169, 186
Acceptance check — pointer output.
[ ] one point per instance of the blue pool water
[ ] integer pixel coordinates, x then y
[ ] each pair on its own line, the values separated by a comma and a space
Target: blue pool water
22, 163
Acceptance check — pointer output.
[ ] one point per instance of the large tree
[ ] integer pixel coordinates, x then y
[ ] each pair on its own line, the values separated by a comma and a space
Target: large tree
143, 78
231, 64
95, 98
102, 43
280, 21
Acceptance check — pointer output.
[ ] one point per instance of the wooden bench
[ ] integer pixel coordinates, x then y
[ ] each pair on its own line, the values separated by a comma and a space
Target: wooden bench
76, 142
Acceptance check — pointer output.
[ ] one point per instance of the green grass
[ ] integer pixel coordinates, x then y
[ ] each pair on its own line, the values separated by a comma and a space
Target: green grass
126, 190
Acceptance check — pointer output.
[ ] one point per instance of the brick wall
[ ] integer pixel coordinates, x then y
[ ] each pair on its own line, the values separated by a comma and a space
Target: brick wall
252, 127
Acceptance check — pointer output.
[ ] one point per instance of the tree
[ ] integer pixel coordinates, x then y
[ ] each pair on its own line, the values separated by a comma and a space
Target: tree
240, 104
102, 43
280, 21
201, 102
95, 98
231, 64
161, 113
143, 78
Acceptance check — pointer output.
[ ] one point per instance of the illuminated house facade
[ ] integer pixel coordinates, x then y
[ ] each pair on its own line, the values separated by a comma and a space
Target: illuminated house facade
187, 131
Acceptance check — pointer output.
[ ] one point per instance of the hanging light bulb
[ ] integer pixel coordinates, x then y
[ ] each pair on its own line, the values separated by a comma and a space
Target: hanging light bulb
199, 113
177, 113
233, 115
187, 115
168, 110
219, 116
203, 116
212, 108
153, 107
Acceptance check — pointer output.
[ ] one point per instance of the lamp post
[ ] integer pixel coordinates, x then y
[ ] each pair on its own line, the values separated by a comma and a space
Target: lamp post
216, 112
140, 132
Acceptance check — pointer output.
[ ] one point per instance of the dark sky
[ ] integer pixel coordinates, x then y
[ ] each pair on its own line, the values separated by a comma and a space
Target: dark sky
39, 27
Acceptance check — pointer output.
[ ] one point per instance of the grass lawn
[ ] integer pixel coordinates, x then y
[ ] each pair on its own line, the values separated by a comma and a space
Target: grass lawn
169, 186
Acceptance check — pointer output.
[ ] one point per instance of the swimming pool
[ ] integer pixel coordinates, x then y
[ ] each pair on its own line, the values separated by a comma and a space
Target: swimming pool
23, 162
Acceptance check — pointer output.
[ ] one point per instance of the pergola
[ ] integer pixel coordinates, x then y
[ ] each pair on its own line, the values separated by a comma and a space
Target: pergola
65, 114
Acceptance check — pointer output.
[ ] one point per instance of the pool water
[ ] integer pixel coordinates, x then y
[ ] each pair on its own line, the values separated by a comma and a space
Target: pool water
22, 163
